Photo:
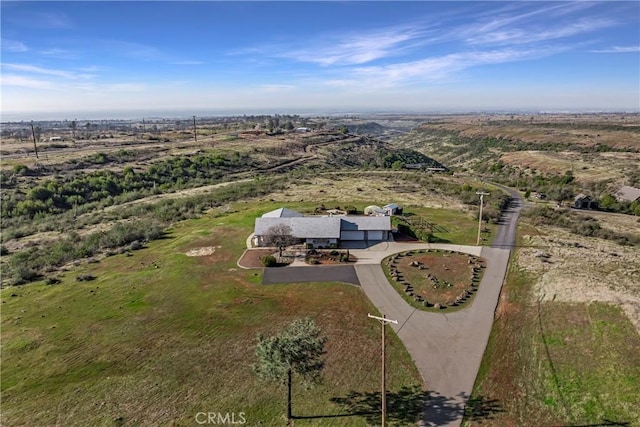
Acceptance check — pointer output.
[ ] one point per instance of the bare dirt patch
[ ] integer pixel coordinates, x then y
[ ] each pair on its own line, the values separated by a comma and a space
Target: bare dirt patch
203, 251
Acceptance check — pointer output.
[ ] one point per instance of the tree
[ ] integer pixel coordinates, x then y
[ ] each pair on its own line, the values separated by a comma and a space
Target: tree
297, 349
281, 236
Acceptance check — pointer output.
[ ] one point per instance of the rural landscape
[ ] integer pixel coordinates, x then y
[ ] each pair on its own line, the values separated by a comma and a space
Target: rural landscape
325, 213
125, 300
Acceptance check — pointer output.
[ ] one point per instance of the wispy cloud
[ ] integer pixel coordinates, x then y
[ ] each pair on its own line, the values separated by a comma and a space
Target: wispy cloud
619, 49
27, 82
46, 71
437, 68
13, 46
358, 49
59, 53
345, 48
533, 34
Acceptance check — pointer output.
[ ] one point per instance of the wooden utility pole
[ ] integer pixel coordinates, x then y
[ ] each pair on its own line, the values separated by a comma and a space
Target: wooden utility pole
195, 131
383, 321
481, 194
33, 134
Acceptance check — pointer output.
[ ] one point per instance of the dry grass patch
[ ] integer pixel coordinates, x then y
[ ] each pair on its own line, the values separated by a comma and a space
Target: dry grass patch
572, 268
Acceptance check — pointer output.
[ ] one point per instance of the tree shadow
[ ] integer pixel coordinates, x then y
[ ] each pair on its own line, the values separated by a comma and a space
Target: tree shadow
482, 408
405, 405
410, 405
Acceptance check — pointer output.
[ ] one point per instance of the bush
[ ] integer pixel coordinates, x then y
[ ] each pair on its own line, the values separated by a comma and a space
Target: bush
269, 261
51, 281
4, 251
85, 278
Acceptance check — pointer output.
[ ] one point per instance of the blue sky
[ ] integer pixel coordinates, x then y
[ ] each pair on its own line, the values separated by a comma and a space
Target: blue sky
94, 57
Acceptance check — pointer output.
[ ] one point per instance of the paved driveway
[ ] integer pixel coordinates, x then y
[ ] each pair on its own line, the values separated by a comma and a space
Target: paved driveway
329, 273
446, 348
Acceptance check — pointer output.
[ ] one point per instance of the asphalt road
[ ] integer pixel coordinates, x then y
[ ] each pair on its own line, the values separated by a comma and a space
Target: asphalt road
506, 232
329, 273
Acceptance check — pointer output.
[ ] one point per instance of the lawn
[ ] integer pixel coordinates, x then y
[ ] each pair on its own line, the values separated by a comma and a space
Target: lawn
557, 363
159, 336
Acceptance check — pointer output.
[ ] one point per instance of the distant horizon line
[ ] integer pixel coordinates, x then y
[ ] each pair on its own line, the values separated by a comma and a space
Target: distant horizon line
139, 114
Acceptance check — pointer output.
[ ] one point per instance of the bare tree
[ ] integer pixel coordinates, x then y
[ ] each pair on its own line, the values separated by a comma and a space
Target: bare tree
281, 236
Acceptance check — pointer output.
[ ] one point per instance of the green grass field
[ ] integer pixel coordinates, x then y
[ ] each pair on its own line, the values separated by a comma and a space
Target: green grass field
158, 337
558, 363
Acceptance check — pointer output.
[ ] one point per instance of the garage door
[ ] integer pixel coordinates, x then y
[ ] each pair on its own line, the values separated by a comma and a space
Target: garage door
375, 235
352, 235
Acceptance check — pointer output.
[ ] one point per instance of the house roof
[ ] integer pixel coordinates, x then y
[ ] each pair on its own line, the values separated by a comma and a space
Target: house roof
391, 206
322, 227
282, 213
350, 223
628, 193
581, 197
302, 227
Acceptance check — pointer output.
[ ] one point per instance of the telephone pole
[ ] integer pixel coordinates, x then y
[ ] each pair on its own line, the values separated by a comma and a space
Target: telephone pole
195, 131
383, 321
33, 135
481, 194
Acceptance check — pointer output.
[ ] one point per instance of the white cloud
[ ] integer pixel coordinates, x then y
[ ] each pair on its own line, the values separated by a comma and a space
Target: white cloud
26, 82
437, 68
619, 49
533, 34
59, 53
345, 48
46, 71
13, 46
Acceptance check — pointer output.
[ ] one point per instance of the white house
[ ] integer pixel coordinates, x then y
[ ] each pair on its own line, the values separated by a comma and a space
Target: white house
323, 231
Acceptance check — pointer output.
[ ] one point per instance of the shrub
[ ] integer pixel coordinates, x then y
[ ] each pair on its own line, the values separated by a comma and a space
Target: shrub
51, 281
269, 261
4, 251
85, 278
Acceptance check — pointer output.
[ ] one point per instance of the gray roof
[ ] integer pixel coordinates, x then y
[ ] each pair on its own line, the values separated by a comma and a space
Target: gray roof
322, 227
366, 223
391, 205
282, 213
302, 227
628, 193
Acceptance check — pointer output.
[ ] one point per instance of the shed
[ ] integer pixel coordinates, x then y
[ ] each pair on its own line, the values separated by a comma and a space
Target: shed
628, 194
392, 209
582, 201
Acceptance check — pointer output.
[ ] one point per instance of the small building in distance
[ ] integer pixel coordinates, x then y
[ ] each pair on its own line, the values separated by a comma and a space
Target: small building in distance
303, 130
582, 201
392, 209
627, 194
